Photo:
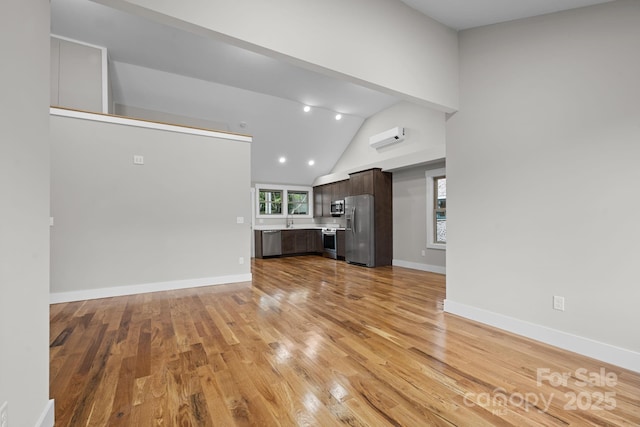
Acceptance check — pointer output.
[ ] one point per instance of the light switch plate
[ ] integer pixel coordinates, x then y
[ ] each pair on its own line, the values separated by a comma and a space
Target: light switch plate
558, 303
240, 220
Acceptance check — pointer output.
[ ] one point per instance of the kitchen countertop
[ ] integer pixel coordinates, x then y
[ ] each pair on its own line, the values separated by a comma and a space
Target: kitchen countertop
296, 227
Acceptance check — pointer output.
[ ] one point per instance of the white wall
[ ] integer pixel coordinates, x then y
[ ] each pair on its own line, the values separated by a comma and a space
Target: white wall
164, 117
24, 210
424, 142
542, 174
382, 44
422, 149
410, 221
172, 219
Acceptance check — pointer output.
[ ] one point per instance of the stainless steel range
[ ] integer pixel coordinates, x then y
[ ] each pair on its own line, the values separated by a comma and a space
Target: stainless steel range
329, 242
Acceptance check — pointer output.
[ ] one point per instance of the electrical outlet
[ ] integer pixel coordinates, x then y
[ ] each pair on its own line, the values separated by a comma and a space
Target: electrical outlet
240, 220
241, 260
138, 160
4, 415
558, 303
424, 253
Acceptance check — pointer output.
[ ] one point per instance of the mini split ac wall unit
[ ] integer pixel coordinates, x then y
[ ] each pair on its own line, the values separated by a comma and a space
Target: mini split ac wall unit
391, 136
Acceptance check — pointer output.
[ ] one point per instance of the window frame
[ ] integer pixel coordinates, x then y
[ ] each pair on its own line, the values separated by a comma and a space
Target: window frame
271, 190
308, 202
285, 200
431, 177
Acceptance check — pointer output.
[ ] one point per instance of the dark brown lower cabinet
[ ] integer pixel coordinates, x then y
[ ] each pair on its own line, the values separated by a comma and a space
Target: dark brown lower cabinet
340, 249
258, 243
300, 242
288, 242
315, 241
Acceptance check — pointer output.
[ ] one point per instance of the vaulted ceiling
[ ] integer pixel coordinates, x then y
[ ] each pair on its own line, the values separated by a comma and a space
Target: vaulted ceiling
464, 14
157, 67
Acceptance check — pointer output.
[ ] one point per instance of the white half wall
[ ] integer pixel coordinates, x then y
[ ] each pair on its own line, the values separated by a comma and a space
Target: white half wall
24, 211
120, 226
381, 44
542, 174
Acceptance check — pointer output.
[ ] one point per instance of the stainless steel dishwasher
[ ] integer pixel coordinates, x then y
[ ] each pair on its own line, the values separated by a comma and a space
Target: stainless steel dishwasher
271, 242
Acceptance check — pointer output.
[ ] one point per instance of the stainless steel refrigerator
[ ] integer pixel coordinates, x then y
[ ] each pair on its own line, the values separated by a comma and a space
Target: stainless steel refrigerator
359, 232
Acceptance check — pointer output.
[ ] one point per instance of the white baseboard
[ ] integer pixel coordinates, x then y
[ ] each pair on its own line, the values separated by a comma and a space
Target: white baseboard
47, 418
417, 266
608, 353
58, 297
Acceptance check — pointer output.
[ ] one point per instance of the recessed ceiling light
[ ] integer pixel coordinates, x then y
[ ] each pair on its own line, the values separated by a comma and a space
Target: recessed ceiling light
282, 159
338, 116
312, 162
306, 108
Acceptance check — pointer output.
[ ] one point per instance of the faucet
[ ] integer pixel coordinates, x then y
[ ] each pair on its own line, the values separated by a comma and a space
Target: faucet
289, 221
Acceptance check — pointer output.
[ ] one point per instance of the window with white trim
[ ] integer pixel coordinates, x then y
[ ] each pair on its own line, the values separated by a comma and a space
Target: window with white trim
274, 201
440, 208
436, 209
269, 202
298, 202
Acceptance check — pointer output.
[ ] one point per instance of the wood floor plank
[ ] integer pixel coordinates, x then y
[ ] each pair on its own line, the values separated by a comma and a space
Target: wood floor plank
317, 342
220, 413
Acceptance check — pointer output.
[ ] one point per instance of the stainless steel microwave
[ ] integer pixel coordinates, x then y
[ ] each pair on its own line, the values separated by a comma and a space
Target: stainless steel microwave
337, 208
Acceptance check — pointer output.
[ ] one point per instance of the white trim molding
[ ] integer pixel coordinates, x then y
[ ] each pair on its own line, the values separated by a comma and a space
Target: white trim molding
59, 297
285, 188
126, 121
608, 353
104, 80
431, 233
47, 418
418, 266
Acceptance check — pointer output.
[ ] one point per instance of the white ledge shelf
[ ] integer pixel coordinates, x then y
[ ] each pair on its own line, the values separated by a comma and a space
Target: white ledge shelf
127, 121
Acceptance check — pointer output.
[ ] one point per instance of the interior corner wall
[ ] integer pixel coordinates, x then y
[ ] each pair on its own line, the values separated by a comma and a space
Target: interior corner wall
24, 210
369, 42
424, 140
542, 173
172, 219
410, 221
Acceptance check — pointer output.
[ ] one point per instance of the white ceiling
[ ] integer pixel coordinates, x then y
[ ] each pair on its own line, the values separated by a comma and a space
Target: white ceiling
157, 67
464, 14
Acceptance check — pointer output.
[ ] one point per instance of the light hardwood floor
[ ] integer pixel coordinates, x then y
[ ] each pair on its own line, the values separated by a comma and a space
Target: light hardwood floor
313, 341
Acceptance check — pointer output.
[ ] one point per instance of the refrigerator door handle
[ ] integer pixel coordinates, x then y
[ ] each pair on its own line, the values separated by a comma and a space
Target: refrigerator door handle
353, 216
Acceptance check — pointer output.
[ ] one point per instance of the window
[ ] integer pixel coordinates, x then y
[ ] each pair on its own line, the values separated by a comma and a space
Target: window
440, 211
436, 209
270, 202
276, 201
298, 202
